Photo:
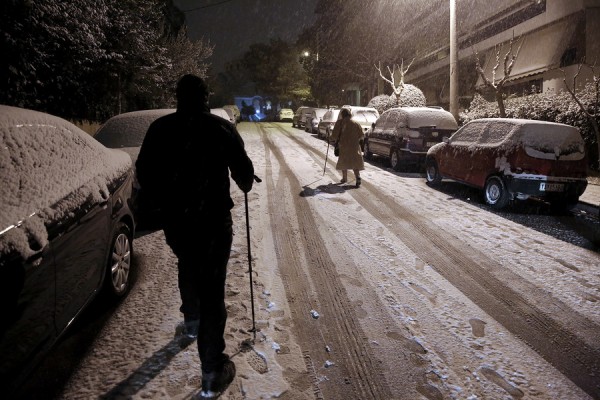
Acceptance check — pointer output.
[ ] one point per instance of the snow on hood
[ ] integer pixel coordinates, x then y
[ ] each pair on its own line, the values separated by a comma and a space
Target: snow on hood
48, 168
129, 129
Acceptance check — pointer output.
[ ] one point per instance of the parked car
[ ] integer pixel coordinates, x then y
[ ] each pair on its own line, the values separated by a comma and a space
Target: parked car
298, 115
126, 132
404, 134
66, 231
285, 115
365, 116
325, 126
304, 117
514, 159
221, 112
235, 110
312, 120
231, 115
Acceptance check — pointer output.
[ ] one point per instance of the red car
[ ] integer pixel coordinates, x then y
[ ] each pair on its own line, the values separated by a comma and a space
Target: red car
513, 159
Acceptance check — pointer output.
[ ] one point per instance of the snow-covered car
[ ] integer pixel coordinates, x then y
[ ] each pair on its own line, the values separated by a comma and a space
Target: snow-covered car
304, 116
312, 120
235, 110
221, 112
298, 116
325, 126
404, 134
66, 231
126, 132
365, 116
285, 115
514, 159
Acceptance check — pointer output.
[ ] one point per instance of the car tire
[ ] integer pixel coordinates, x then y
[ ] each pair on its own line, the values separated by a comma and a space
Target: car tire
395, 159
368, 154
495, 192
432, 172
118, 268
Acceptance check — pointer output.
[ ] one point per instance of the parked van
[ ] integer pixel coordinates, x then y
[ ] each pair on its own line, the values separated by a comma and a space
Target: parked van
514, 159
404, 134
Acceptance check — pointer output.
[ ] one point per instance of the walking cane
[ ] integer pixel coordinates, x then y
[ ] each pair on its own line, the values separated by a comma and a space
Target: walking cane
326, 153
253, 330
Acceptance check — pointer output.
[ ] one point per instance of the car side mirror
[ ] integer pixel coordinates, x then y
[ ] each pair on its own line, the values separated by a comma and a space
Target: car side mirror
446, 139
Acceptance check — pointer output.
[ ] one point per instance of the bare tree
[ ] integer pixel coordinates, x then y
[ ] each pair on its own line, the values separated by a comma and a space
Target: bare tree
593, 115
508, 63
392, 80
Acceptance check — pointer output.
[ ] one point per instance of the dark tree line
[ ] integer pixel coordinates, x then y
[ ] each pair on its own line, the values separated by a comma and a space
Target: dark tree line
91, 59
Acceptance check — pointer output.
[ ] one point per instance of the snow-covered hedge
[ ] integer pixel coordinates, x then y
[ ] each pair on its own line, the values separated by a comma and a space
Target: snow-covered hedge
411, 96
548, 106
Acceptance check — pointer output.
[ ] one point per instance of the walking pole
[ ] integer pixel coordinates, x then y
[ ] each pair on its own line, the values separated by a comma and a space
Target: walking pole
326, 153
257, 180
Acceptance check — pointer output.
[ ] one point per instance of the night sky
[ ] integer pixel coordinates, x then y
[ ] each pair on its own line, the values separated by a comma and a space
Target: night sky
233, 25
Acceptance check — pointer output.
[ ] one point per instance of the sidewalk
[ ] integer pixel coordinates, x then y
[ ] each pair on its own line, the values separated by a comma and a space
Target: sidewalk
592, 192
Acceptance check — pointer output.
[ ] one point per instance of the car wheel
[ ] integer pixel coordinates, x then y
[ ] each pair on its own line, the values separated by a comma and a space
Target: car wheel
432, 172
495, 192
368, 154
395, 159
119, 262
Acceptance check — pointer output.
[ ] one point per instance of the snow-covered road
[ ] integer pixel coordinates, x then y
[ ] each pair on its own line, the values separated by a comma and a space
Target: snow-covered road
389, 291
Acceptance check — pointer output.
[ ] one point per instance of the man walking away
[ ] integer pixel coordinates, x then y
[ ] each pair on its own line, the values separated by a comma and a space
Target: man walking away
184, 164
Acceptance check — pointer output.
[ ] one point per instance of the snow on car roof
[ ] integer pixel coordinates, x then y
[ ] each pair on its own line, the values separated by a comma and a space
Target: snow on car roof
49, 168
541, 135
128, 129
416, 117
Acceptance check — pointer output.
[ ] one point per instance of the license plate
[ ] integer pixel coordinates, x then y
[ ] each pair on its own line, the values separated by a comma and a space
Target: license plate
551, 187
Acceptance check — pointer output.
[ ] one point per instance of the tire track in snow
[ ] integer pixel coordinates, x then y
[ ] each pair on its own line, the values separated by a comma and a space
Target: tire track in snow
355, 373
561, 335
558, 333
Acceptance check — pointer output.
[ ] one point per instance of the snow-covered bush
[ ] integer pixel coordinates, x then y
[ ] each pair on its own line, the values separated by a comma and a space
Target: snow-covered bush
381, 102
548, 106
411, 96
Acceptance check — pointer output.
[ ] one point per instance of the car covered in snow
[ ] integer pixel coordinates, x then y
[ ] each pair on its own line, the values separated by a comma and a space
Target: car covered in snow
298, 115
404, 134
235, 110
514, 159
365, 116
285, 115
223, 113
66, 231
325, 126
127, 131
312, 120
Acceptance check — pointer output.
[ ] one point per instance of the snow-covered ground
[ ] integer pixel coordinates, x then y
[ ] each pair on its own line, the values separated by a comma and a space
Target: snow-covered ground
390, 291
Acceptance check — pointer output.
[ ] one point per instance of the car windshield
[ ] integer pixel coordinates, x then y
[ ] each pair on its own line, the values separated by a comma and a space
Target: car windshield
552, 141
365, 116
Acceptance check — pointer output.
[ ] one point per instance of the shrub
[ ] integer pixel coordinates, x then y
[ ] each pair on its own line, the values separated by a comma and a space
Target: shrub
411, 96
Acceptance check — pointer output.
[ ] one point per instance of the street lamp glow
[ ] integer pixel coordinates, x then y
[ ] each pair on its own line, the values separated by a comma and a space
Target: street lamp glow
306, 53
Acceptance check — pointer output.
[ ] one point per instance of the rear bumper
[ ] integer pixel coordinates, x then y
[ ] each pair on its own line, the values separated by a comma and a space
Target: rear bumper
544, 186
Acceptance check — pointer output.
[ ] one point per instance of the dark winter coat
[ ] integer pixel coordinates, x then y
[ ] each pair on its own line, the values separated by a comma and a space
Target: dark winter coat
184, 164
